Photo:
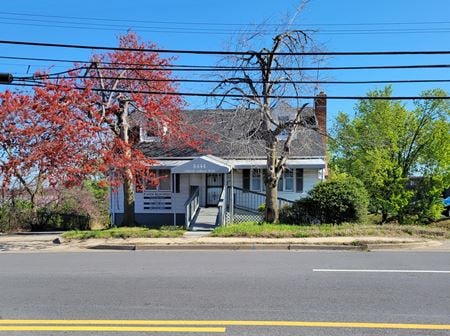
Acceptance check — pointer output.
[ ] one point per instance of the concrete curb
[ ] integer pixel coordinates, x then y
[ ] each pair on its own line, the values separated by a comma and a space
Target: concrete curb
262, 246
128, 247
387, 246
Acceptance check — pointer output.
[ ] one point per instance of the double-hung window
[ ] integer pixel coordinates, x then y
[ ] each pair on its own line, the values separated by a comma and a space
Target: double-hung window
256, 179
290, 180
163, 180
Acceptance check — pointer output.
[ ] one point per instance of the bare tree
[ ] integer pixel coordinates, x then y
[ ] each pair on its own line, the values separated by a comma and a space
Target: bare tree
261, 80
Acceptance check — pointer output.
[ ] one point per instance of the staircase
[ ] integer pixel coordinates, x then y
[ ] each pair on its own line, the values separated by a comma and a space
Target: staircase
205, 220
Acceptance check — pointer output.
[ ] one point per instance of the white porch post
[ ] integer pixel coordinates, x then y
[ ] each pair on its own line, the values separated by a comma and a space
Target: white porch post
232, 197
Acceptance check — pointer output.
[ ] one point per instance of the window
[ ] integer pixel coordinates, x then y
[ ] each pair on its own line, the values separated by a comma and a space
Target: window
148, 134
291, 178
280, 182
288, 180
162, 182
256, 179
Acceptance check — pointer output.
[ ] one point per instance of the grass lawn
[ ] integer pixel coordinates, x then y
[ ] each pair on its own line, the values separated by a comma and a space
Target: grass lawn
126, 232
437, 230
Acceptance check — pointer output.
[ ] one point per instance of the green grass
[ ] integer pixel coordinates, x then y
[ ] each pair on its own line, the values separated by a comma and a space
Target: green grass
126, 232
438, 230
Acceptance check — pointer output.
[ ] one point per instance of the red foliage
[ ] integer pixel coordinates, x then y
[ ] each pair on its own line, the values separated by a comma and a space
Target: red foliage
160, 113
45, 137
62, 134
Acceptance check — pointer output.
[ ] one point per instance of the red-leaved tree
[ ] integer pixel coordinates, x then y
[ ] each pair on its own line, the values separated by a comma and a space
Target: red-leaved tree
46, 139
135, 91
88, 121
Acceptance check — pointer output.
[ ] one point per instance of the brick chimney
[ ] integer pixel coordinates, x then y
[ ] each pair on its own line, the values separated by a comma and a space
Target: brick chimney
320, 108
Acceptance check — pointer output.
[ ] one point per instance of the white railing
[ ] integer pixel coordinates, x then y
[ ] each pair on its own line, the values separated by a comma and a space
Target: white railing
222, 206
191, 207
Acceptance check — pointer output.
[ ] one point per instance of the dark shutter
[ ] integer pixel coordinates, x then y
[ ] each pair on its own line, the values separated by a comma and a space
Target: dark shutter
177, 183
246, 179
299, 180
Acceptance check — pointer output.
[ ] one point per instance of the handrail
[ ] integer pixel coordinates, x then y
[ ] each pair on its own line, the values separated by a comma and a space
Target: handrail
222, 205
252, 200
191, 206
262, 194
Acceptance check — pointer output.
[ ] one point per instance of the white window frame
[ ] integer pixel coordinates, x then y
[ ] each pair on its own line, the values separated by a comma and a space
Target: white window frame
258, 179
144, 137
282, 186
157, 173
292, 177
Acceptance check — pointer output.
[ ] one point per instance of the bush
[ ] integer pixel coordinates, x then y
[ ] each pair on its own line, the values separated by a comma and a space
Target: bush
340, 199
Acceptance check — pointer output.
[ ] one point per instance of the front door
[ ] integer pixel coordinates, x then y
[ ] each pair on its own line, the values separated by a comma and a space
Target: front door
214, 187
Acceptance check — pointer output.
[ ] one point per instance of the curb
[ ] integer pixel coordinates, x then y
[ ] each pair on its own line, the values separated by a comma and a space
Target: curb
129, 247
264, 246
387, 246
229, 247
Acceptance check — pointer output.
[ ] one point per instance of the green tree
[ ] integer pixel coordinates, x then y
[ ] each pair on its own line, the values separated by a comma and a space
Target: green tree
386, 143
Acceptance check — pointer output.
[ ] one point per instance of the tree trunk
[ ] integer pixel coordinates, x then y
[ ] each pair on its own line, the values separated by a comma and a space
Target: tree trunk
271, 179
128, 201
34, 221
128, 190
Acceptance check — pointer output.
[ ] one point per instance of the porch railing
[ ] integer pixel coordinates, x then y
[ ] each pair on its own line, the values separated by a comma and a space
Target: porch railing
222, 207
191, 207
252, 201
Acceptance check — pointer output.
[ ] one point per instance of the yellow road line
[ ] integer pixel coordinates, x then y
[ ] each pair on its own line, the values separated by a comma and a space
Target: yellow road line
110, 328
317, 324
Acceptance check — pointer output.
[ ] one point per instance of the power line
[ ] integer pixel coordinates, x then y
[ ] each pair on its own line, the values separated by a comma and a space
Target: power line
222, 52
196, 94
254, 81
177, 67
224, 69
223, 24
212, 31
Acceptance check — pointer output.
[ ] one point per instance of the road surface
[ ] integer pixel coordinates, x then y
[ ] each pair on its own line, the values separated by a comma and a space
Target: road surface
225, 292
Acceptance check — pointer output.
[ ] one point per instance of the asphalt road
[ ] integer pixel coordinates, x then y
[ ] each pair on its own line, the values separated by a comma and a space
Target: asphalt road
226, 286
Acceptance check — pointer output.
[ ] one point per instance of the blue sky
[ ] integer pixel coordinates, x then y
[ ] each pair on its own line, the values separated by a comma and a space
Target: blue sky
175, 24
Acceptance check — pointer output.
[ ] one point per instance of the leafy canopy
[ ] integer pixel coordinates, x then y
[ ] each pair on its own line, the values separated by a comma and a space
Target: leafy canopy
386, 143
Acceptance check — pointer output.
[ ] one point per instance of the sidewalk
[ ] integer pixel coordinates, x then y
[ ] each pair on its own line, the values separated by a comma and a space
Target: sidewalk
44, 242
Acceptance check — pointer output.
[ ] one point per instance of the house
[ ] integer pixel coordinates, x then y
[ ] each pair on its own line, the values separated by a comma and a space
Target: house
225, 182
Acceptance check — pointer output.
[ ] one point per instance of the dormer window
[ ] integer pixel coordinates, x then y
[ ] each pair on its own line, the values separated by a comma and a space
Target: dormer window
149, 135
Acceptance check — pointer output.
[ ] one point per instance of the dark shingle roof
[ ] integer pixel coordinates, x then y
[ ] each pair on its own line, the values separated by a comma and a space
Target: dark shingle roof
233, 134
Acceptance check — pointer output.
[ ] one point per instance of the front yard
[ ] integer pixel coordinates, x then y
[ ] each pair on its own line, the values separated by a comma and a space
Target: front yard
437, 230
126, 232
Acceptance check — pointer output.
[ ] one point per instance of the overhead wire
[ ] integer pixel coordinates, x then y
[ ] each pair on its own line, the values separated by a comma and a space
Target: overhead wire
197, 94
183, 80
213, 31
223, 52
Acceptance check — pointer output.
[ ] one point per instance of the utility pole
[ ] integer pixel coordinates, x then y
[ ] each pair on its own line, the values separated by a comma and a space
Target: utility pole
6, 78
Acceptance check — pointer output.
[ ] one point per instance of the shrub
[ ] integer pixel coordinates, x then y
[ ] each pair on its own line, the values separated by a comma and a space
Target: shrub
303, 211
340, 199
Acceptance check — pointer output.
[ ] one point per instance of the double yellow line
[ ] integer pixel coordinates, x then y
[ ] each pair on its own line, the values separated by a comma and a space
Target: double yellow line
205, 326
105, 325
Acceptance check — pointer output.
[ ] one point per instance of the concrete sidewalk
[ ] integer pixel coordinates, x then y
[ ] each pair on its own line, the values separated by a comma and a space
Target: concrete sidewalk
44, 242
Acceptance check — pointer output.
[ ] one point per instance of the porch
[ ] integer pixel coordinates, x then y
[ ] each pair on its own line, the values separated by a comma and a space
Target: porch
206, 192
